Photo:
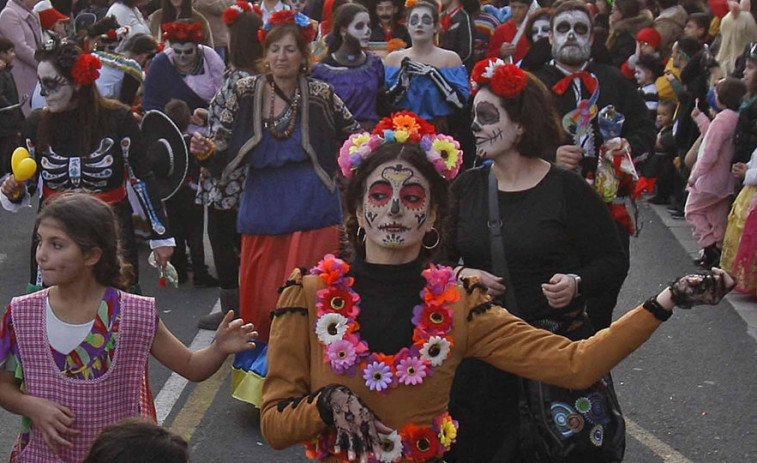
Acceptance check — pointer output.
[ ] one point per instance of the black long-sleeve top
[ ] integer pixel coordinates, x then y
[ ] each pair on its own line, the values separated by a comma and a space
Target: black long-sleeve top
559, 226
459, 37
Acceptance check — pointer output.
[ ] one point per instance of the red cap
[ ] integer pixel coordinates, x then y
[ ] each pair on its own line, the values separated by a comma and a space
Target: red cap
650, 36
48, 15
719, 8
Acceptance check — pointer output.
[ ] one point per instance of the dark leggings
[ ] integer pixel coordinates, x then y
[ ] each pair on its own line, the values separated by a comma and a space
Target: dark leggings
226, 245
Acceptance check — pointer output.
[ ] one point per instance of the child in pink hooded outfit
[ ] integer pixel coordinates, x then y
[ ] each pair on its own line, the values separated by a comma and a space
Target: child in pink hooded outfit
711, 184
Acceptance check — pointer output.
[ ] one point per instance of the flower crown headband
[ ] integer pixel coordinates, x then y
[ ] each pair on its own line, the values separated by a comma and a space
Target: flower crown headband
86, 69
236, 10
442, 151
506, 80
288, 17
183, 32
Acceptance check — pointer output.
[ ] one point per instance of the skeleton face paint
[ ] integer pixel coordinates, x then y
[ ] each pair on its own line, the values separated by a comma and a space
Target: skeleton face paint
539, 30
396, 206
297, 5
643, 75
55, 88
360, 29
185, 55
421, 24
495, 132
571, 38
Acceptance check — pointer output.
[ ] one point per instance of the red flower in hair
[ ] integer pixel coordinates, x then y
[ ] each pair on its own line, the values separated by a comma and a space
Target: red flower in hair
506, 80
183, 32
258, 10
86, 69
281, 17
232, 13
112, 34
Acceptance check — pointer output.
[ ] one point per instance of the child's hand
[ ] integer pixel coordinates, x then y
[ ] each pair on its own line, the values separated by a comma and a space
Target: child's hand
739, 170
695, 112
234, 336
54, 421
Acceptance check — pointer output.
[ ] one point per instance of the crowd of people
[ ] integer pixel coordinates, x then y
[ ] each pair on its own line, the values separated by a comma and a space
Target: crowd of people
352, 155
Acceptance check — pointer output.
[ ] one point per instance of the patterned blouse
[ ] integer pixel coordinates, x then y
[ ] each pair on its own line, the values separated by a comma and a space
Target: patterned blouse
90, 360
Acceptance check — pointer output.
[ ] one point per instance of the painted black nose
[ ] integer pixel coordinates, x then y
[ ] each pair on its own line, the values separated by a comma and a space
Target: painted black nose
395, 206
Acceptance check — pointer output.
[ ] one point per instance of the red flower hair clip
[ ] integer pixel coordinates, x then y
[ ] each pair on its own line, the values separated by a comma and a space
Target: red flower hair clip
289, 17
86, 69
504, 79
183, 32
236, 10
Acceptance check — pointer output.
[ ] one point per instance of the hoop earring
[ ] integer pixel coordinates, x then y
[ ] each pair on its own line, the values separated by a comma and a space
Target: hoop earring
438, 239
357, 235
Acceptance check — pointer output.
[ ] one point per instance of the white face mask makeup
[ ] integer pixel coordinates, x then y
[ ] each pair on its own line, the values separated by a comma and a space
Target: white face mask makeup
396, 210
421, 25
494, 131
642, 75
539, 30
55, 88
571, 38
185, 55
360, 29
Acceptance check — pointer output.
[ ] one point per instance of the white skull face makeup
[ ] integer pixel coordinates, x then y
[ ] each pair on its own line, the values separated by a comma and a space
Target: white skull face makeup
495, 132
396, 212
297, 5
421, 25
539, 29
185, 55
360, 28
643, 75
571, 38
55, 88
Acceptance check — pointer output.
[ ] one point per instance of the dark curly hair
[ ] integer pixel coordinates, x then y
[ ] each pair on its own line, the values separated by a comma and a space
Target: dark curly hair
91, 223
90, 109
136, 439
356, 190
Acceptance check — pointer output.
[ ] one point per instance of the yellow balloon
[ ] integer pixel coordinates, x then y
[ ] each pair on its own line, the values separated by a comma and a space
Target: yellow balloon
18, 155
25, 169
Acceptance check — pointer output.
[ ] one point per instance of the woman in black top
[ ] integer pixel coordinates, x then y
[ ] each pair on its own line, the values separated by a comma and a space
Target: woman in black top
559, 240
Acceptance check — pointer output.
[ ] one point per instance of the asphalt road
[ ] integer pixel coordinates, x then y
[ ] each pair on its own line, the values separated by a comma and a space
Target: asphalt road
689, 393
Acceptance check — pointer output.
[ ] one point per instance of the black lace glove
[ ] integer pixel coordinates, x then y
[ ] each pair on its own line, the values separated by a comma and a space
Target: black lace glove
701, 288
397, 92
356, 426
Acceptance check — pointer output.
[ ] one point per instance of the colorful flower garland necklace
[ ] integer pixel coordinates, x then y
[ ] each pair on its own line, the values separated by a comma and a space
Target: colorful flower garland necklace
441, 150
338, 331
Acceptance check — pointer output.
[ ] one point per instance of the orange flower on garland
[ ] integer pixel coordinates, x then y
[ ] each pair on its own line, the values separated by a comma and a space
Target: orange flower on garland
432, 319
395, 44
406, 123
86, 70
333, 300
420, 443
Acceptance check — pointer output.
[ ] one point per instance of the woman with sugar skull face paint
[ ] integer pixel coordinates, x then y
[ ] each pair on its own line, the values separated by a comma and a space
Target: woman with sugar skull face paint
382, 333
184, 70
537, 34
425, 79
559, 241
357, 75
83, 142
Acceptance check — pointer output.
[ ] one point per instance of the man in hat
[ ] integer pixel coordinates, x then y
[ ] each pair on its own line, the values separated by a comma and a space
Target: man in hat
572, 77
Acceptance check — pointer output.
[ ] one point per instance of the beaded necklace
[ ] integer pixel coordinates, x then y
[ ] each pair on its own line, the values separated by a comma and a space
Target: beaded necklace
291, 114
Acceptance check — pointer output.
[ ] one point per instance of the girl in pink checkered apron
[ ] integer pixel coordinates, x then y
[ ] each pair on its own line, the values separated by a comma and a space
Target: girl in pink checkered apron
73, 357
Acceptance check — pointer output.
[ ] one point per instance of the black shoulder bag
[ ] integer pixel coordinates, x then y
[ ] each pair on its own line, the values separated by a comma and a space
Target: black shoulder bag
555, 422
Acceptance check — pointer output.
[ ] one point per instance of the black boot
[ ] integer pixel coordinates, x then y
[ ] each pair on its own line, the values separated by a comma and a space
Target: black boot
229, 301
709, 257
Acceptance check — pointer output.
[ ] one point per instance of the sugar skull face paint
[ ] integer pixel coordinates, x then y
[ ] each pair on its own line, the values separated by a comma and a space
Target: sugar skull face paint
395, 210
185, 55
360, 28
539, 30
421, 24
495, 132
58, 91
571, 38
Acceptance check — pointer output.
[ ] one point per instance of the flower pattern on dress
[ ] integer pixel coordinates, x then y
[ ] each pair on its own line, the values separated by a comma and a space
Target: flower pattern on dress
338, 330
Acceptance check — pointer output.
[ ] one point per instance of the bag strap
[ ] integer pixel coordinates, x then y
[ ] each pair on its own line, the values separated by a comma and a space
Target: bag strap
499, 262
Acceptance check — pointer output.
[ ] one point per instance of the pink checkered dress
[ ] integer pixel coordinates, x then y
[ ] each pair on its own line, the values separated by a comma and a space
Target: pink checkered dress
98, 402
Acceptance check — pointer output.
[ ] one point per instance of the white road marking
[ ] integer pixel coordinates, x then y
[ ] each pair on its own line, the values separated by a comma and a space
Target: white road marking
171, 391
660, 448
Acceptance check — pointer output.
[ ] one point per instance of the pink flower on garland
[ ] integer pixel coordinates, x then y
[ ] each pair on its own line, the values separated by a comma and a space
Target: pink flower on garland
411, 371
342, 356
441, 286
333, 271
377, 376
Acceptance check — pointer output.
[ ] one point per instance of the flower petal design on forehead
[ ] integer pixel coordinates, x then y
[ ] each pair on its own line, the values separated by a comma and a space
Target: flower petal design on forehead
506, 80
236, 10
442, 151
183, 32
289, 17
